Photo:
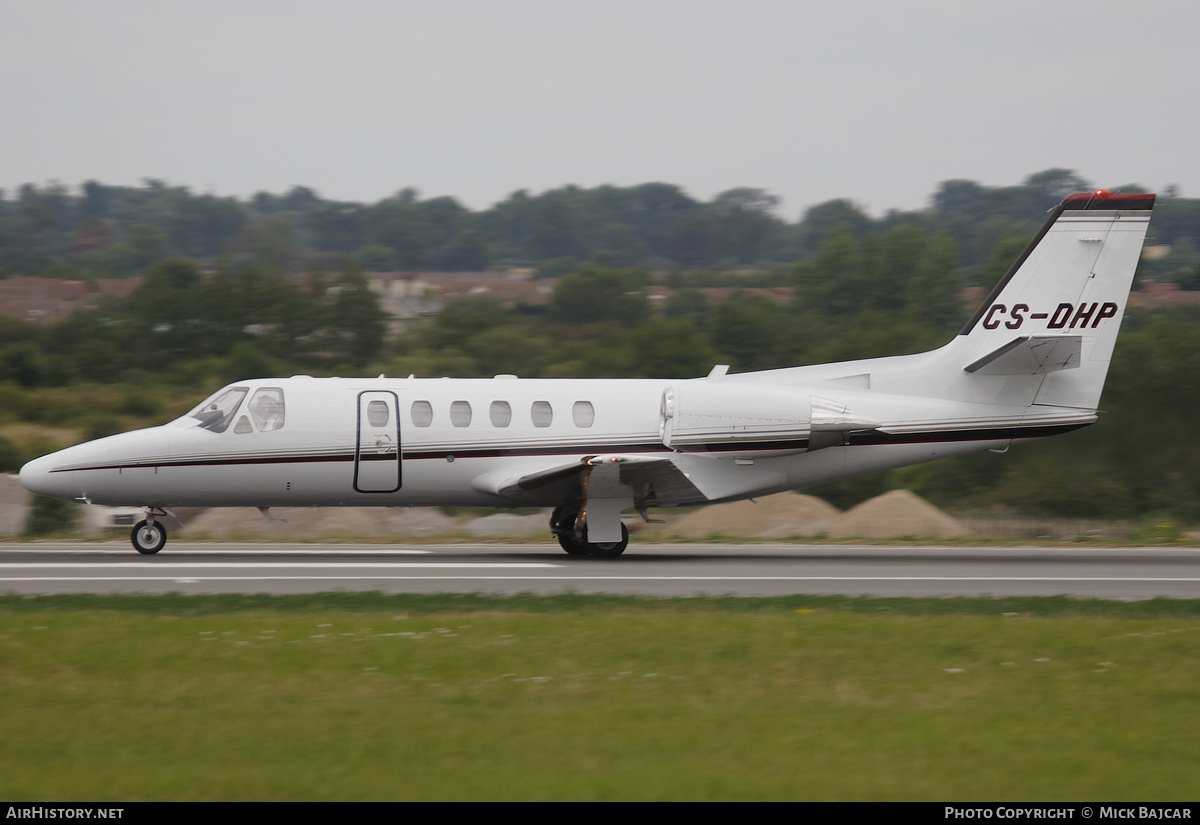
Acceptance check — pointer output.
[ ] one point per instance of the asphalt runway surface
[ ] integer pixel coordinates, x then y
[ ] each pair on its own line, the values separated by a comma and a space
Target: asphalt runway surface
646, 569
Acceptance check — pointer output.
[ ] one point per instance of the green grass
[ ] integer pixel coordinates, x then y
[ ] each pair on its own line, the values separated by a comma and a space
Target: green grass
367, 696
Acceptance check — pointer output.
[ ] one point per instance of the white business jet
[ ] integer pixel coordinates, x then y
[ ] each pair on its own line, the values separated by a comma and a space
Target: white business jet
1030, 363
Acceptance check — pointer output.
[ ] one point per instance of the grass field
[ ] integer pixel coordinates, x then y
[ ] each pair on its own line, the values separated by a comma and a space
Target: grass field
371, 697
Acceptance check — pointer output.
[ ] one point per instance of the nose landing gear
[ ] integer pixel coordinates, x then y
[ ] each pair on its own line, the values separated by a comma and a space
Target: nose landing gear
149, 535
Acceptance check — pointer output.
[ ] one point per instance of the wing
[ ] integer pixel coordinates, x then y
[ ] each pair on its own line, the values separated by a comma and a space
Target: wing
649, 480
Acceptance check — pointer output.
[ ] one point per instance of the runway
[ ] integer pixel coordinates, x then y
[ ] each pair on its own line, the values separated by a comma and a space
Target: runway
646, 569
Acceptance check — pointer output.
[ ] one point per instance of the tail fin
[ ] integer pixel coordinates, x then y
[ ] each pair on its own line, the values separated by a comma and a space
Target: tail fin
1054, 316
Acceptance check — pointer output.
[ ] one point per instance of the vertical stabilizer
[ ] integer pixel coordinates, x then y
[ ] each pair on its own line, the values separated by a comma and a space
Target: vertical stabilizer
1053, 319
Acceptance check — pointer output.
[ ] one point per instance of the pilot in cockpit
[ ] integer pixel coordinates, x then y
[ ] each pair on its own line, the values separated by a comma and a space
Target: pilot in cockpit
267, 410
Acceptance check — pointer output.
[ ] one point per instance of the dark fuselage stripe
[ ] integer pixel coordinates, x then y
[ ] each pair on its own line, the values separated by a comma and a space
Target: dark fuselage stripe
855, 439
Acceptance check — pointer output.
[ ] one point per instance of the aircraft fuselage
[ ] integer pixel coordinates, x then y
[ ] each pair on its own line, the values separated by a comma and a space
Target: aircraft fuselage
461, 442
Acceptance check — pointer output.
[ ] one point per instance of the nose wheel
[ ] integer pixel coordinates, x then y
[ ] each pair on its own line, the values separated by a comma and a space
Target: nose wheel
148, 537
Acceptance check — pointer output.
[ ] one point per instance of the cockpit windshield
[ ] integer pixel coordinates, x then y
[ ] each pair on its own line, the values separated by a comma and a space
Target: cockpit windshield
216, 413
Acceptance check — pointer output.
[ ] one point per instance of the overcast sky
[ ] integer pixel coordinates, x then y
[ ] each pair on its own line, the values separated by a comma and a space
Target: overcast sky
872, 100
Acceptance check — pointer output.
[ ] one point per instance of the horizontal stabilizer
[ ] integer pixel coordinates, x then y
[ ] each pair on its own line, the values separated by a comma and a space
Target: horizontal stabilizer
1031, 355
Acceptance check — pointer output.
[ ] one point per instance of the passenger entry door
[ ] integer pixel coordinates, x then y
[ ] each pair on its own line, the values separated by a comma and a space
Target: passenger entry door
377, 452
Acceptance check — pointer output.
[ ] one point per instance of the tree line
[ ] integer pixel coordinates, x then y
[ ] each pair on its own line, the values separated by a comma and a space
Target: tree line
116, 231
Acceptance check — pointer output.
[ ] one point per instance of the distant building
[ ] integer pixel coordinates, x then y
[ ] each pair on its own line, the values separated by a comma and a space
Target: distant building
659, 294
52, 299
1151, 296
409, 295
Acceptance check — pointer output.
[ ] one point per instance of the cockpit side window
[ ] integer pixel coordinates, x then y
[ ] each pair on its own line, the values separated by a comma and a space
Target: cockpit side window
266, 406
217, 414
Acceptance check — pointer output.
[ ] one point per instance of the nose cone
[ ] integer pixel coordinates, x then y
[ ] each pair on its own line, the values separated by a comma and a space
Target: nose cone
37, 478
64, 474
93, 471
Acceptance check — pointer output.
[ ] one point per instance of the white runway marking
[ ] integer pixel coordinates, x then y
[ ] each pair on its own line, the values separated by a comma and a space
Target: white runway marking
257, 550
603, 578
216, 565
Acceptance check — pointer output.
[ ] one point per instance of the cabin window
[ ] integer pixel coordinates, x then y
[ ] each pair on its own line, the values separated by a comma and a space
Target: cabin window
583, 413
501, 413
266, 407
460, 414
422, 413
378, 413
217, 414
243, 426
541, 413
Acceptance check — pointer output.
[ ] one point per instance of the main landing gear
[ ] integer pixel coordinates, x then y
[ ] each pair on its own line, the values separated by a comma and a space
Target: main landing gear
564, 526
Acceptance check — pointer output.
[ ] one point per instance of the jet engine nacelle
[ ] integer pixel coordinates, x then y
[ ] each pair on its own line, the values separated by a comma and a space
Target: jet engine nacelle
706, 415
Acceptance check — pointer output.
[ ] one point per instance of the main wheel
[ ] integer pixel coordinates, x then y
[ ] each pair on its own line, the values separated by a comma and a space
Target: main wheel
148, 538
562, 523
610, 549
572, 545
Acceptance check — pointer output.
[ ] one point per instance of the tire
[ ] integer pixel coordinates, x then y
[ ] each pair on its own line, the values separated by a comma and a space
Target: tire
609, 550
148, 538
562, 523
572, 545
